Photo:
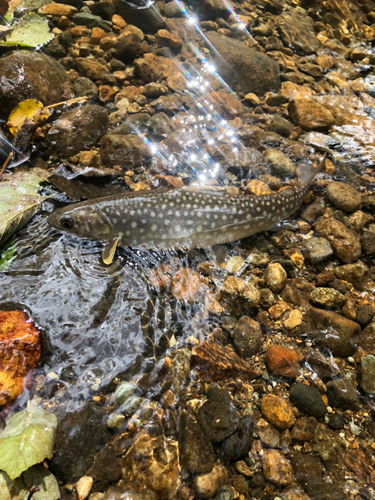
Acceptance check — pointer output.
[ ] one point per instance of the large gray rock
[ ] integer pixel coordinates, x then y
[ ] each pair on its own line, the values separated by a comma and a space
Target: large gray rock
140, 14
29, 75
244, 69
77, 130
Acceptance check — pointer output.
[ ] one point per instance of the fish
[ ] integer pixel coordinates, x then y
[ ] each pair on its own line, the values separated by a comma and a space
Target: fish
187, 217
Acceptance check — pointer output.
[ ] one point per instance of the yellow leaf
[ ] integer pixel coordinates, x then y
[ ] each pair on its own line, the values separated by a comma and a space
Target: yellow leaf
26, 111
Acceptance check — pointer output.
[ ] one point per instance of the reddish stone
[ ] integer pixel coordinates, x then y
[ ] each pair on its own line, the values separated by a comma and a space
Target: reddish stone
358, 462
106, 93
188, 285
283, 361
20, 351
304, 429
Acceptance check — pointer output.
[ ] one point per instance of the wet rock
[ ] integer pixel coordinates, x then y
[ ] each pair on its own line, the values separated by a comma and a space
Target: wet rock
215, 361
105, 470
188, 285
342, 393
94, 70
369, 203
152, 462
90, 21
76, 130
279, 163
247, 337
281, 126
278, 411
140, 14
296, 31
344, 196
57, 9
236, 289
327, 297
314, 210
85, 87
152, 68
333, 331
306, 468
356, 273
366, 339
304, 429
328, 445
196, 451
317, 250
336, 421
83, 487
276, 468
244, 69
127, 151
123, 392
368, 374
218, 417
293, 319
19, 79
358, 462
179, 369
75, 451
128, 48
294, 493
206, 485
268, 434
19, 488
283, 361
20, 352
297, 292
344, 241
167, 39
284, 239
275, 277
310, 115
169, 104
368, 243
318, 489
238, 444
308, 399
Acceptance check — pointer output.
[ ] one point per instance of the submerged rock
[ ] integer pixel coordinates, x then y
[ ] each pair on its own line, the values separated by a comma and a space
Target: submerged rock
218, 417
196, 451
77, 130
19, 488
29, 75
244, 69
140, 13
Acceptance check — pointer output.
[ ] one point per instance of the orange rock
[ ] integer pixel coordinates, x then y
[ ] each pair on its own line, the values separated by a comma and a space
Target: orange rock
57, 9
106, 93
169, 181
118, 21
77, 31
172, 40
278, 411
310, 115
20, 351
96, 35
283, 361
188, 285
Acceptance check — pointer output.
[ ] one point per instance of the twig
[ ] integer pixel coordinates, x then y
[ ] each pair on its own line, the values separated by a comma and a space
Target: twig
69, 102
33, 490
6, 163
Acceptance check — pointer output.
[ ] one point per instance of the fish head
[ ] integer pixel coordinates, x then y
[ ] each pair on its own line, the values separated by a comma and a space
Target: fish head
83, 221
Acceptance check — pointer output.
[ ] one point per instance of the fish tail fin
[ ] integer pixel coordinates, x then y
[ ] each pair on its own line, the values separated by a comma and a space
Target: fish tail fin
306, 171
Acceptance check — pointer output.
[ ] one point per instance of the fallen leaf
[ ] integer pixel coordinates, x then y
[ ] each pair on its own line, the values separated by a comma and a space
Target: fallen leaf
19, 200
31, 31
27, 439
7, 254
29, 110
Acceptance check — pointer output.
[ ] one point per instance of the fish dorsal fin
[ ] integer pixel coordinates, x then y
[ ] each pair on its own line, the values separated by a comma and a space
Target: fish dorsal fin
109, 251
306, 171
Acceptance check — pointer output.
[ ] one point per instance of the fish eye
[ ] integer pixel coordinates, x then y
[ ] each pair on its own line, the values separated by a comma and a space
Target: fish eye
67, 222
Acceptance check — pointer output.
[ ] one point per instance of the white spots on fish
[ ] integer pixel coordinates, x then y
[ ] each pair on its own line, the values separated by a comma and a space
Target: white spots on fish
258, 209
132, 212
133, 224
164, 206
224, 217
199, 214
152, 213
177, 227
199, 229
144, 221
213, 225
154, 227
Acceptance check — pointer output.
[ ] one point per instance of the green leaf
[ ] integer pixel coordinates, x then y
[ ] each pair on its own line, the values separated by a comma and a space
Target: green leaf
19, 200
7, 254
31, 31
27, 439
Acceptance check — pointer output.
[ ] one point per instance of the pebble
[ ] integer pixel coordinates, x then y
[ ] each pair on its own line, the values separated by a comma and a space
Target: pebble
247, 337
236, 289
317, 250
225, 492
278, 411
279, 163
344, 196
115, 420
310, 115
342, 393
238, 444
123, 391
188, 285
57, 9
368, 243
327, 297
308, 399
304, 429
293, 319
83, 487
367, 367
275, 277
355, 273
344, 241
283, 361
276, 468
206, 485
294, 493
197, 454
218, 417
358, 462
85, 87
130, 405
268, 434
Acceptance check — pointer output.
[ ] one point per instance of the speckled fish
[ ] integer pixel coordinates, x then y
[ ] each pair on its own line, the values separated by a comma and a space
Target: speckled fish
188, 217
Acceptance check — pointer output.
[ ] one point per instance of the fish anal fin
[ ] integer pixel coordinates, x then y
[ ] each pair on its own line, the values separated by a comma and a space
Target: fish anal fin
288, 190
109, 251
217, 254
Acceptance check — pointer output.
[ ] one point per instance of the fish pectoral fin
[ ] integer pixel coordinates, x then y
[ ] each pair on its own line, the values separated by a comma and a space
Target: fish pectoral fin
217, 254
288, 190
109, 251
